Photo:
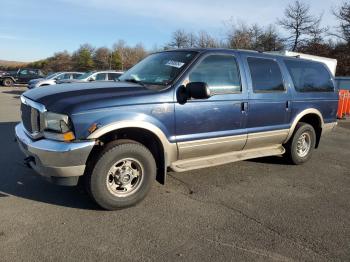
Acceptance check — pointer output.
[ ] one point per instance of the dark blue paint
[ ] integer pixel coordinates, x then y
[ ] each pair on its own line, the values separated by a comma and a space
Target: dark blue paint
220, 115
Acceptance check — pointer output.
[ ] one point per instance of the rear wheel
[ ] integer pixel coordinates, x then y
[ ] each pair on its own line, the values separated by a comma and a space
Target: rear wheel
7, 82
122, 176
300, 147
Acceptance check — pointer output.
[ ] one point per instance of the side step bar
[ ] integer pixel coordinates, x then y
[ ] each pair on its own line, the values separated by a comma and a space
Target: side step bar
220, 159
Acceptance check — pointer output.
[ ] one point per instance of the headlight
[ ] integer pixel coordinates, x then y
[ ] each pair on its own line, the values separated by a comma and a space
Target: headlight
57, 127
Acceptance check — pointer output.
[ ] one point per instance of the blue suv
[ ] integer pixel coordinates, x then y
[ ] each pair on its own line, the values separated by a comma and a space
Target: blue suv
176, 110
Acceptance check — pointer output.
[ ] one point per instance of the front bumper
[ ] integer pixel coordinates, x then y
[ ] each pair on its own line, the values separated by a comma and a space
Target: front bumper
54, 159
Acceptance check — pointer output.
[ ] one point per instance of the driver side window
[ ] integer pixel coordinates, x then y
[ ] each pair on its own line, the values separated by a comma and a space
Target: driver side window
23, 72
220, 72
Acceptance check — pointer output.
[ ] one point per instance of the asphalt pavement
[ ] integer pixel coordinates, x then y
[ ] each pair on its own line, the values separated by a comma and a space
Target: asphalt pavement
256, 210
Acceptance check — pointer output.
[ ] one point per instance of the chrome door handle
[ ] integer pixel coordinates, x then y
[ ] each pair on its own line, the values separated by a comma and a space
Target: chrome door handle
288, 105
244, 107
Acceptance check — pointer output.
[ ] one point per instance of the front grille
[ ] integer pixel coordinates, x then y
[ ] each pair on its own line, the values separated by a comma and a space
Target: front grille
30, 118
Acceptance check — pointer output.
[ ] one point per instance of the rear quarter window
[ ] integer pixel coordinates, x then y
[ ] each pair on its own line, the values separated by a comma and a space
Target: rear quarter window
309, 76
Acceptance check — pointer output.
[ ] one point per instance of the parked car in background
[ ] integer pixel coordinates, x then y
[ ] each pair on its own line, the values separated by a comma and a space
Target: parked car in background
21, 76
53, 78
343, 83
94, 76
176, 110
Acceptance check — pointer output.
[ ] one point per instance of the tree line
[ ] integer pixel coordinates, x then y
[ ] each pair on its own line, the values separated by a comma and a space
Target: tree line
303, 28
120, 57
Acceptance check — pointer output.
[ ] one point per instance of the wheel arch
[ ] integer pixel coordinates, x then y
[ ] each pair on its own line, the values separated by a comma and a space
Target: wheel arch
310, 116
8, 77
145, 133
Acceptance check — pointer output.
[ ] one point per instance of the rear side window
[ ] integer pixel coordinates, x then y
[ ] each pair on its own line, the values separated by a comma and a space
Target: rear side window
220, 72
113, 76
75, 76
266, 75
309, 76
66, 76
101, 76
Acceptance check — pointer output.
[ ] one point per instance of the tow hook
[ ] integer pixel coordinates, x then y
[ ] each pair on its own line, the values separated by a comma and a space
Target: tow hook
27, 161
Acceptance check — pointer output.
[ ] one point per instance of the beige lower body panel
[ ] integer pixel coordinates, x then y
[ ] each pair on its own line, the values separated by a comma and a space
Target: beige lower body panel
219, 159
265, 139
211, 146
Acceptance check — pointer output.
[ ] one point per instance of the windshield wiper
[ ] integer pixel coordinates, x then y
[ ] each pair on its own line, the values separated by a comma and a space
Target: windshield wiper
132, 80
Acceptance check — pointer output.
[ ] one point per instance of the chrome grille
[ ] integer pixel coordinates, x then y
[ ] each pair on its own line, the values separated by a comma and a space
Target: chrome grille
30, 112
26, 112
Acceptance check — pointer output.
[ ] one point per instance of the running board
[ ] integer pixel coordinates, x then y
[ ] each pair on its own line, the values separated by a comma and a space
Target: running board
220, 159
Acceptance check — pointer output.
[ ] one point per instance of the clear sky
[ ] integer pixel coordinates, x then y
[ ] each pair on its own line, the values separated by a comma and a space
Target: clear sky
33, 29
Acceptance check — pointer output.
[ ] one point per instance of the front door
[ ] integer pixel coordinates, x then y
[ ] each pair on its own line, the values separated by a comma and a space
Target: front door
269, 106
215, 125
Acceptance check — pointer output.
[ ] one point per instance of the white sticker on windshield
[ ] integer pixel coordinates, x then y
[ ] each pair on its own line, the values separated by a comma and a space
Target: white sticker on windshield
174, 64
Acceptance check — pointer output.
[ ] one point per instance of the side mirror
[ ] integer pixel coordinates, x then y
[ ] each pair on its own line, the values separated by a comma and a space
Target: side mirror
196, 90
91, 79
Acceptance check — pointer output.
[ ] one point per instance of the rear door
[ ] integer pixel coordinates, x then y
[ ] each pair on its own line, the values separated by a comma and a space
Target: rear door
101, 77
113, 76
269, 105
215, 125
76, 75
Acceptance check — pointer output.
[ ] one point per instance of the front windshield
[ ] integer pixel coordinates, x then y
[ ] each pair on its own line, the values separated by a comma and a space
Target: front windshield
159, 68
84, 76
52, 75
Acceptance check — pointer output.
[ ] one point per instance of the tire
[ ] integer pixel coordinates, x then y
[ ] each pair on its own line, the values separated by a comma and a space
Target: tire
122, 176
7, 82
300, 147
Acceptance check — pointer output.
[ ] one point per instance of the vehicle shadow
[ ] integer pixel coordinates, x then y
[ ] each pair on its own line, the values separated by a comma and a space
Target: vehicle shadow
275, 160
18, 180
17, 93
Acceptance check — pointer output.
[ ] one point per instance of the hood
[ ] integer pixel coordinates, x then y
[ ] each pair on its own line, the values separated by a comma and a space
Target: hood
35, 81
79, 97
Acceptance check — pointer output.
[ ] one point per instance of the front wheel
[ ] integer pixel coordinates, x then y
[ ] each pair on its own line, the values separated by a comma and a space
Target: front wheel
299, 149
7, 82
122, 176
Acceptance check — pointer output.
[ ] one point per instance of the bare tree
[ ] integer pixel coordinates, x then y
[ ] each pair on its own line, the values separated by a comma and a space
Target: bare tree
239, 36
342, 13
128, 56
204, 40
192, 39
299, 22
316, 33
256, 32
269, 40
179, 39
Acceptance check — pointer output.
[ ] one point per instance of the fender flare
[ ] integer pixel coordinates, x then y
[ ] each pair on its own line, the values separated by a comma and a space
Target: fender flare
170, 149
300, 116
